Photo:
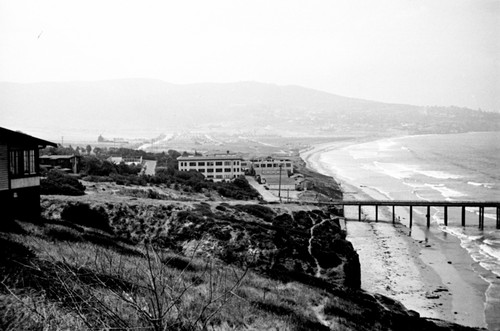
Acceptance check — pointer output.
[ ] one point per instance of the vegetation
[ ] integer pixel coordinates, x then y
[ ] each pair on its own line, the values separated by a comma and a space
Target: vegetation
97, 168
58, 182
71, 275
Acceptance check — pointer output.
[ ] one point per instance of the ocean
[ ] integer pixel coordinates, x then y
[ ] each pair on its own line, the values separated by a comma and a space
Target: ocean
452, 167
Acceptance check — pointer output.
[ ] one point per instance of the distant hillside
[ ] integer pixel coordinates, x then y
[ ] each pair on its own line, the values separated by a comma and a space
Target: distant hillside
138, 107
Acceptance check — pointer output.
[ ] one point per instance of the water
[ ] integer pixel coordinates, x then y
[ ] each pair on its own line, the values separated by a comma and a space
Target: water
435, 167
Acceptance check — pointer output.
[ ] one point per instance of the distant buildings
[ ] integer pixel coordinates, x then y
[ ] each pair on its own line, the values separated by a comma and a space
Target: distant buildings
67, 163
216, 167
19, 174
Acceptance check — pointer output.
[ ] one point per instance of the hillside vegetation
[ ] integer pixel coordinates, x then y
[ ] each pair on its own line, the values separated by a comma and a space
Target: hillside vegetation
111, 259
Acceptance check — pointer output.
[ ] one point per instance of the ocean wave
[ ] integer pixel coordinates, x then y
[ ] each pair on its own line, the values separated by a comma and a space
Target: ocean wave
438, 174
485, 185
490, 250
446, 192
395, 170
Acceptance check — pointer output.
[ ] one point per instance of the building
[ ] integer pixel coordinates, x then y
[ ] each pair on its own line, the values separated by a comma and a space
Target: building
217, 167
68, 163
272, 166
20, 174
136, 161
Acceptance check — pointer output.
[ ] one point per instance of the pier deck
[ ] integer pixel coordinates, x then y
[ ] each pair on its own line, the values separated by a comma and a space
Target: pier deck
481, 205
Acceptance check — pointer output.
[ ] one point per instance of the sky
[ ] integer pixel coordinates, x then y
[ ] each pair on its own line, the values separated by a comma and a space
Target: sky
421, 52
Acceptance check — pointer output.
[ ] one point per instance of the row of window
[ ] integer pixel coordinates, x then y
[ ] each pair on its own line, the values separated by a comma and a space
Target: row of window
219, 170
22, 162
220, 176
271, 165
209, 163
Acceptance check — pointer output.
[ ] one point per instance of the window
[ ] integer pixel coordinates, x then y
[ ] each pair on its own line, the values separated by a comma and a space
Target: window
201, 164
200, 170
218, 163
227, 169
269, 165
236, 162
210, 176
210, 170
257, 165
218, 176
14, 163
22, 162
226, 163
288, 165
218, 170
210, 164
192, 164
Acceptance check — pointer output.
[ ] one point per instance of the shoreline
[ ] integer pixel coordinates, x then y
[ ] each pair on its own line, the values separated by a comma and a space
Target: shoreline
427, 271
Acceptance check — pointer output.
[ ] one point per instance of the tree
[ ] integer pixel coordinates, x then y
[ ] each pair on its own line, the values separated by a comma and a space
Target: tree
89, 149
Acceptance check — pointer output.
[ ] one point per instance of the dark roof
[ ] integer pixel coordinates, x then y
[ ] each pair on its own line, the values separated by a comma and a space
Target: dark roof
20, 138
58, 157
209, 158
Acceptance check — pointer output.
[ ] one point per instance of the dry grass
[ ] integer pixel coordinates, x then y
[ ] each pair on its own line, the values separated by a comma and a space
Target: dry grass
69, 282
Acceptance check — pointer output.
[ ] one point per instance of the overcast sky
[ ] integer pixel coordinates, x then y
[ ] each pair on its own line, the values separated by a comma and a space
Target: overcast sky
423, 52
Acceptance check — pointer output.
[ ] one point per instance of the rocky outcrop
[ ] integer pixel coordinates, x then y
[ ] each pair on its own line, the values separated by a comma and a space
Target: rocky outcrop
274, 241
307, 246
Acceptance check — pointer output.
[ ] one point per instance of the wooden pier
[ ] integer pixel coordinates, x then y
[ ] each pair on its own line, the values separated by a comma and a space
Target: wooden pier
480, 205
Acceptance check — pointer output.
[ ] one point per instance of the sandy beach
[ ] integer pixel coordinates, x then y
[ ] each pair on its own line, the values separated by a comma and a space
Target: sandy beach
427, 270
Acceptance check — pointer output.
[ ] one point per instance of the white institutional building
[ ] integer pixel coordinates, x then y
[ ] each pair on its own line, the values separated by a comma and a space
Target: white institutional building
216, 167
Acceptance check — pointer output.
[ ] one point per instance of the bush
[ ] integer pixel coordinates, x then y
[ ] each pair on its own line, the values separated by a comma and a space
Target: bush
58, 182
82, 214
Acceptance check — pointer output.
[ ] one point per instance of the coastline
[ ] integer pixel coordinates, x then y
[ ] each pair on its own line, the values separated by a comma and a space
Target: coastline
432, 274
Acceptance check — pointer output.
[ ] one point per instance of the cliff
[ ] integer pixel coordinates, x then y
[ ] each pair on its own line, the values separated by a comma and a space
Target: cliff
108, 260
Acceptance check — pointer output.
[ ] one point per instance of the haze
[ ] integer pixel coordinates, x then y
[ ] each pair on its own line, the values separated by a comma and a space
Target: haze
414, 52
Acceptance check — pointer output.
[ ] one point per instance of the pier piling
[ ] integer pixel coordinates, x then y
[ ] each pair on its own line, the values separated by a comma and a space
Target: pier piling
463, 215
446, 215
411, 216
376, 213
498, 218
359, 213
481, 218
393, 214
428, 215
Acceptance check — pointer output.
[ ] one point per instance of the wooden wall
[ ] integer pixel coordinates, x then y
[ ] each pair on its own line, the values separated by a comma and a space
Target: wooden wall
4, 167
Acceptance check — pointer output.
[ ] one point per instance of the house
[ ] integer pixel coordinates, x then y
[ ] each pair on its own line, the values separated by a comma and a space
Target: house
136, 161
19, 174
68, 163
217, 167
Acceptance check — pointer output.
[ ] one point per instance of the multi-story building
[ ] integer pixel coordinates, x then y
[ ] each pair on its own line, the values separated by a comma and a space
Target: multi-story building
272, 166
19, 174
216, 167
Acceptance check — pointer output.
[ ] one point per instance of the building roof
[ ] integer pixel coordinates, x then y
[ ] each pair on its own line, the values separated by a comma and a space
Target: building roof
58, 157
19, 138
209, 157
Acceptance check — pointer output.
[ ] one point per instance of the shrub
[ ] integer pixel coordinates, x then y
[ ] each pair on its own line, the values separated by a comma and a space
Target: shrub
82, 214
58, 182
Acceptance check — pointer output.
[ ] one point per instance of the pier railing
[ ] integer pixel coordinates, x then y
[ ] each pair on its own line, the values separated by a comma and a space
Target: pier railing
481, 205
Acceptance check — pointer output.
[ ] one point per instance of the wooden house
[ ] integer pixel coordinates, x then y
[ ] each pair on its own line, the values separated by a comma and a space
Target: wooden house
67, 163
19, 174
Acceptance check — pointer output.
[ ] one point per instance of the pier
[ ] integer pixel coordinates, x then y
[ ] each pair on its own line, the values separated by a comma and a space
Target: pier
480, 205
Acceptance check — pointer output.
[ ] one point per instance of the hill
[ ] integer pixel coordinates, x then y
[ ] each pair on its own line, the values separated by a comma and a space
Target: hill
112, 259
147, 108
